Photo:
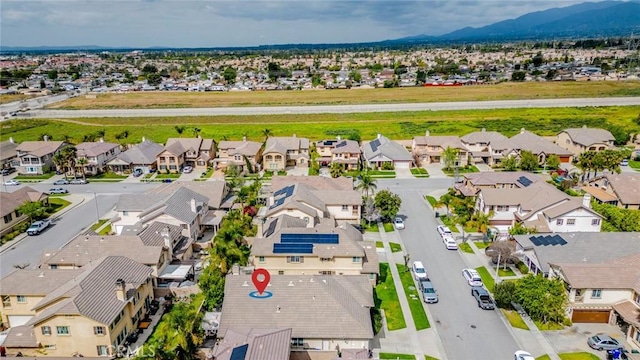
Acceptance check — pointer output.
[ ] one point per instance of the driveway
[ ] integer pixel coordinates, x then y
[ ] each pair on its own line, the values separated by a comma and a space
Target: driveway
298, 171
195, 174
484, 167
404, 173
435, 170
574, 338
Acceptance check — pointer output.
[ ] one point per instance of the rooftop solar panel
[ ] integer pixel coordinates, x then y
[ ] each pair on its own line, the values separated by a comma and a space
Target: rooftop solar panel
548, 240
524, 181
341, 144
239, 353
289, 190
290, 248
309, 238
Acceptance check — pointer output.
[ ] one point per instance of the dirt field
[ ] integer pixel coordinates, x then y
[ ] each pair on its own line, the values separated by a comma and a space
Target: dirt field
504, 91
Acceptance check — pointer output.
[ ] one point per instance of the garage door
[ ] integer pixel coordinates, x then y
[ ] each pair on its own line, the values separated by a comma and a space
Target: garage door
402, 164
590, 316
17, 320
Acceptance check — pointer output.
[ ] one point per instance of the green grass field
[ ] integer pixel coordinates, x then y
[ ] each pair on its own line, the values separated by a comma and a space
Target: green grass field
387, 299
432, 201
515, 319
394, 356
58, 204
464, 247
395, 247
395, 125
578, 356
487, 279
415, 302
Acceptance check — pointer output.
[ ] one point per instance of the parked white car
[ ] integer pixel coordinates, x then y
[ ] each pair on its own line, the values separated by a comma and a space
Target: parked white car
398, 223
419, 272
472, 277
522, 355
449, 242
444, 230
11, 183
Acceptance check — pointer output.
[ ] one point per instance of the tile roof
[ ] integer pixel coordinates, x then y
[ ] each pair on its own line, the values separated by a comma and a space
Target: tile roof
39, 148
21, 337
488, 178
178, 204
186, 144
483, 137
526, 140
589, 136
282, 144
151, 235
35, 281
316, 182
10, 201
313, 306
568, 206
440, 141
144, 153
137, 202
246, 148
626, 186
599, 194
94, 148
346, 147
215, 191
382, 147
531, 199
263, 344
599, 276
7, 150
629, 311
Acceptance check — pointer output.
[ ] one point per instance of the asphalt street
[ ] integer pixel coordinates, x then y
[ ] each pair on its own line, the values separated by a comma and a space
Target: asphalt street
466, 331
342, 109
69, 225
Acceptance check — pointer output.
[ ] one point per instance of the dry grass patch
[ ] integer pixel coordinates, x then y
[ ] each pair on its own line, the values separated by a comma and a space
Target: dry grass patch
502, 91
7, 98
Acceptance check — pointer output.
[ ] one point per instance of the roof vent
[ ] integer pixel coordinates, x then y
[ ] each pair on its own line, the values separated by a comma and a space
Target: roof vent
311, 280
41, 275
290, 283
324, 281
245, 284
278, 308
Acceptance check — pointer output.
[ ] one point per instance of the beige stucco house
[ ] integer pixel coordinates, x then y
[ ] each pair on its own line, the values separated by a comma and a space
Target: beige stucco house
97, 154
181, 152
429, 149
583, 139
345, 152
282, 152
238, 153
36, 157
485, 146
11, 201
622, 190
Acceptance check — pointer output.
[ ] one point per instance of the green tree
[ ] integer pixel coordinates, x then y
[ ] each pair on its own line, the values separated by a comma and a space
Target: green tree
178, 335
34, 210
60, 162
510, 163
519, 229
52, 74
542, 298
267, 133
355, 76
504, 293
154, 79
388, 203
233, 176
528, 160
196, 131
211, 282
446, 200
518, 76
43, 85
367, 183
180, 129
230, 75
480, 221
538, 59
70, 153
81, 162
450, 157
421, 76
553, 162
336, 170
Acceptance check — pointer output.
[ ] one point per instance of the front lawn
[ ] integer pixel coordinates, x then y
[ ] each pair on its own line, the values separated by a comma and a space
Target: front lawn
56, 204
392, 356
487, 279
373, 227
432, 201
507, 272
465, 248
108, 175
578, 356
379, 244
167, 176
97, 225
515, 319
634, 164
462, 170
548, 326
395, 247
388, 227
386, 298
413, 298
481, 244
419, 172
34, 177
390, 174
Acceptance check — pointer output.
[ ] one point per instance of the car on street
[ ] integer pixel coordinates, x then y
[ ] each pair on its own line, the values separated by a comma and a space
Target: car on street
398, 223
38, 227
187, 169
450, 242
78, 182
472, 277
522, 355
444, 230
58, 191
11, 182
61, 182
7, 171
429, 294
137, 172
482, 298
624, 162
603, 342
419, 272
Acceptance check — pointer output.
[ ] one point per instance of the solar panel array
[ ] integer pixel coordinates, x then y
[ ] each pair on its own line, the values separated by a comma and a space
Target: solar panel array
524, 181
375, 144
293, 248
285, 192
239, 353
309, 238
548, 240
341, 144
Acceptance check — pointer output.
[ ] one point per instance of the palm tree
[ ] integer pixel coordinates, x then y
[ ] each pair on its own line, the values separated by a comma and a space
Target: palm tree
100, 133
449, 157
196, 131
445, 201
367, 183
267, 133
480, 221
60, 161
336, 170
70, 153
82, 162
180, 129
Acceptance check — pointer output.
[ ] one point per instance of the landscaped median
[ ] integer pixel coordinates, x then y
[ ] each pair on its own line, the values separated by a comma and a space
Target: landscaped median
413, 298
572, 356
487, 279
393, 356
419, 172
386, 298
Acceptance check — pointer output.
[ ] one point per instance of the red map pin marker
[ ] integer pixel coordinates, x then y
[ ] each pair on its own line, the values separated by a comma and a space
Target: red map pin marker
260, 279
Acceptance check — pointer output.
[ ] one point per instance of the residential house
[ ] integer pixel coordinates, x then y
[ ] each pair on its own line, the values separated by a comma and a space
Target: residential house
538, 145
345, 152
282, 152
316, 182
285, 245
622, 190
253, 344
326, 300
472, 183
382, 150
36, 157
143, 156
97, 154
181, 152
8, 154
579, 140
539, 205
86, 312
485, 147
11, 201
238, 153
183, 207
429, 149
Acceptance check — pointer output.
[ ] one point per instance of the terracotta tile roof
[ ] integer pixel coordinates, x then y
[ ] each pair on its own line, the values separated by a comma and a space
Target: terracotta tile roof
91, 149
626, 186
599, 193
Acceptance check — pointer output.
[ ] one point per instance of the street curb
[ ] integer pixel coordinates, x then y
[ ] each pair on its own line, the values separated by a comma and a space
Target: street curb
23, 236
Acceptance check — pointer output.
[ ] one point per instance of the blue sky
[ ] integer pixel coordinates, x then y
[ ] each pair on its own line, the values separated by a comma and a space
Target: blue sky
213, 23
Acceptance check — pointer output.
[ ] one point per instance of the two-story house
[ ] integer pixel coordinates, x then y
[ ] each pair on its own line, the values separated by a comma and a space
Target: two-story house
36, 157
485, 146
382, 150
181, 152
429, 149
97, 155
579, 140
238, 153
539, 146
11, 201
345, 152
143, 156
540, 206
472, 183
282, 152
622, 190
87, 312
8, 155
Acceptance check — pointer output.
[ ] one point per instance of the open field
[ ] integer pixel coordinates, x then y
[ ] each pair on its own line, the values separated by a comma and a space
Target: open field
502, 91
395, 125
7, 98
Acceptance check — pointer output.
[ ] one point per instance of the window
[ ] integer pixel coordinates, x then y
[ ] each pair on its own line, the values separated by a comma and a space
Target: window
46, 330
559, 221
21, 299
356, 259
125, 213
98, 330
596, 293
297, 342
345, 207
324, 272
571, 221
280, 272
595, 222
62, 330
6, 301
502, 208
50, 347
53, 266
7, 218
261, 259
295, 259
103, 350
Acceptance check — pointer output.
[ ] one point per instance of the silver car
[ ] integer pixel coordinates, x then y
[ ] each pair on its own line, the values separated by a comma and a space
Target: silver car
603, 342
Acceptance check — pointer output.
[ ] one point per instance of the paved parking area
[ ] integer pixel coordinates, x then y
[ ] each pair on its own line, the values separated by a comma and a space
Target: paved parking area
298, 171
574, 338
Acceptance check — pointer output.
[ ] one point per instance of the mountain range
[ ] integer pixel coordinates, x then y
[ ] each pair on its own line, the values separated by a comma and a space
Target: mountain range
584, 20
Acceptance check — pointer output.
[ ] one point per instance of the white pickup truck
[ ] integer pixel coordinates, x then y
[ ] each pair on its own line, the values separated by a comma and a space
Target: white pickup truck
38, 226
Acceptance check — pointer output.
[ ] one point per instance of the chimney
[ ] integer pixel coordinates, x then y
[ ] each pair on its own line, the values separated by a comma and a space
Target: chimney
45, 138
101, 139
294, 135
244, 138
586, 200
522, 131
11, 140
193, 206
144, 139
166, 236
484, 130
427, 133
338, 137
120, 292
379, 136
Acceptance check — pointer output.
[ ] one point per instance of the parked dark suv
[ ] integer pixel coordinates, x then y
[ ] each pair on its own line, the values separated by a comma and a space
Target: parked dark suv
482, 297
7, 171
